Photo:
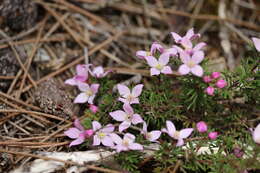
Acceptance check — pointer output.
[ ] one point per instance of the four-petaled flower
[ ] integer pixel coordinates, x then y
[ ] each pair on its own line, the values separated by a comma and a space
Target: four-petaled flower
160, 65
178, 135
127, 96
102, 135
98, 72
127, 117
125, 144
78, 133
88, 93
142, 54
81, 76
191, 63
151, 136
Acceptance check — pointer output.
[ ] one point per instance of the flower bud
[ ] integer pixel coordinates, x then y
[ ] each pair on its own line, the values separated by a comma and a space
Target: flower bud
93, 108
215, 75
89, 133
210, 90
207, 79
213, 135
221, 83
202, 126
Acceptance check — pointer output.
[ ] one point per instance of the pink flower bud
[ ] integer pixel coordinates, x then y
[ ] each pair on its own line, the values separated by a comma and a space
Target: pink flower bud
202, 126
213, 135
221, 83
210, 90
207, 79
93, 108
89, 133
215, 75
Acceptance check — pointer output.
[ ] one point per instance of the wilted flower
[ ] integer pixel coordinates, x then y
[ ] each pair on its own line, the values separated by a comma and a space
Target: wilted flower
125, 144
221, 83
210, 90
215, 75
191, 63
88, 93
213, 135
151, 136
127, 117
98, 72
81, 76
102, 135
93, 108
256, 42
178, 135
160, 65
127, 96
202, 126
78, 133
256, 134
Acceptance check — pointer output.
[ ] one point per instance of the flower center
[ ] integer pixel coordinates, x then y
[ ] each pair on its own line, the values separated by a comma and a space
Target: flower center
128, 117
89, 92
130, 97
191, 64
148, 135
148, 53
159, 67
101, 135
176, 134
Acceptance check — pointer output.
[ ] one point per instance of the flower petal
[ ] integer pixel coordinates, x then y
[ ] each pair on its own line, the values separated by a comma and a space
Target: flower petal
141, 54
78, 125
107, 141
154, 135
180, 142
94, 88
166, 70
135, 146
170, 127
82, 69
186, 43
144, 128
199, 46
197, 57
152, 61
83, 87
164, 59
118, 115
134, 101
256, 43
91, 99
108, 128
177, 38
124, 125
71, 81
185, 58
184, 69
189, 33
125, 101
154, 71
129, 137
96, 140
184, 133
137, 90
96, 125
256, 134
81, 98
128, 109
197, 70
72, 133
78, 141
137, 119
123, 90
117, 139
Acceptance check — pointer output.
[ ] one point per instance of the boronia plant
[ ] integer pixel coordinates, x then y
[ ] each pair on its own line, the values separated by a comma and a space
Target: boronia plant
194, 109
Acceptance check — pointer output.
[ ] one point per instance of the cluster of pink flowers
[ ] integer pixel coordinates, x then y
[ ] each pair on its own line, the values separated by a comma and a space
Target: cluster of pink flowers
202, 128
88, 91
214, 80
189, 54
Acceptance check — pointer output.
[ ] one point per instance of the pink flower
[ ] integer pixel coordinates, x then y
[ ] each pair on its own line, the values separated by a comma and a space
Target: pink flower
127, 96
207, 79
102, 135
125, 144
98, 72
191, 63
221, 83
127, 117
256, 134
93, 108
151, 136
78, 133
178, 135
256, 42
156, 47
210, 90
215, 75
82, 75
142, 54
202, 126
189, 36
88, 93
159, 66
213, 135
